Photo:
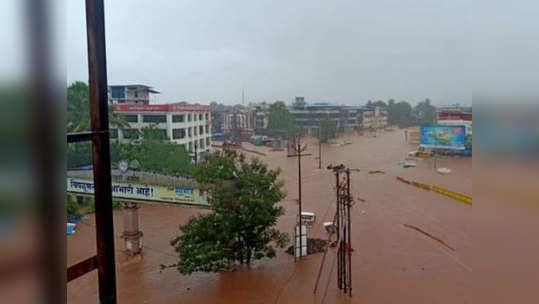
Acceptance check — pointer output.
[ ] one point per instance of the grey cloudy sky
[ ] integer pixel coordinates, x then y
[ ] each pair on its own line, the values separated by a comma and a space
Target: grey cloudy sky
339, 51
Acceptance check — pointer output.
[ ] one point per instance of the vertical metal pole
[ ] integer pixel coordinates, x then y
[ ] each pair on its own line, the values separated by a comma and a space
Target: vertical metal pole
349, 226
97, 66
299, 199
343, 240
338, 231
319, 150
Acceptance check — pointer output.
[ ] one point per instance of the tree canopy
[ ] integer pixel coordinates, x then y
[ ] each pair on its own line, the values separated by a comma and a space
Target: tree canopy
243, 195
154, 153
403, 114
424, 113
327, 129
280, 119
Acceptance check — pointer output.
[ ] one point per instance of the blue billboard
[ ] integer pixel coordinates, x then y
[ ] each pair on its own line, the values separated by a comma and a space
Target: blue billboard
443, 137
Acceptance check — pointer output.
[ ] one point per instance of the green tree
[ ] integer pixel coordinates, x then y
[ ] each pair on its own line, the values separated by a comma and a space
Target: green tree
399, 113
382, 105
391, 114
327, 129
243, 196
78, 120
78, 107
72, 207
424, 113
155, 153
280, 119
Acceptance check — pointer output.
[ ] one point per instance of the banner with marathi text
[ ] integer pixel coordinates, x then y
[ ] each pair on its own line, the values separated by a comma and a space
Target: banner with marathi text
142, 192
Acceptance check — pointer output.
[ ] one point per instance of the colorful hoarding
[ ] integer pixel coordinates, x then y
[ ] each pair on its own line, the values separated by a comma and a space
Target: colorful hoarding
443, 137
142, 192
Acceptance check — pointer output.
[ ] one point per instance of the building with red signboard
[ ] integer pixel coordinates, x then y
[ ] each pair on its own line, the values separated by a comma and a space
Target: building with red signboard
455, 115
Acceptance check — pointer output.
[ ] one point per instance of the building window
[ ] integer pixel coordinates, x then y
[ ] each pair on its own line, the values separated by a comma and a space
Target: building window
178, 133
131, 118
130, 133
189, 118
195, 131
154, 118
201, 143
207, 116
200, 116
194, 117
118, 92
201, 130
207, 141
113, 133
189, 132
177, 118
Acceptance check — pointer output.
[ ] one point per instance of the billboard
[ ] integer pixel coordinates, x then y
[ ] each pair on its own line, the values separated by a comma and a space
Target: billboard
442, 137
143, 192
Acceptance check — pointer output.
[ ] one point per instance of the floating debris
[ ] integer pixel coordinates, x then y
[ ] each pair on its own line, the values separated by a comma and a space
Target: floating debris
376, 171
429, 235
407, 164
443, 170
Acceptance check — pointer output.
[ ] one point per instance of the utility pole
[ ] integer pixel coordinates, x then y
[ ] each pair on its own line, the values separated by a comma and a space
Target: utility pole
319, 148
349, 227
343, 225
299, 149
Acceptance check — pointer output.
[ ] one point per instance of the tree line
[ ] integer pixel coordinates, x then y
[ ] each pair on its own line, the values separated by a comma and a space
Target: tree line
402, 114
282, 124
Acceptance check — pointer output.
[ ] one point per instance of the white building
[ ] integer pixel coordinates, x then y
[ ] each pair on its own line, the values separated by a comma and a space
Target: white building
373, 118
181, 123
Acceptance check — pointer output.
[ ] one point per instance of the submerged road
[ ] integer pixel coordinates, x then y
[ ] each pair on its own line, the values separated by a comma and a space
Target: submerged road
391, 263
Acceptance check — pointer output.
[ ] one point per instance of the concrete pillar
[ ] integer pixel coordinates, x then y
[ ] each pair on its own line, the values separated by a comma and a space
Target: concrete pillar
132, 235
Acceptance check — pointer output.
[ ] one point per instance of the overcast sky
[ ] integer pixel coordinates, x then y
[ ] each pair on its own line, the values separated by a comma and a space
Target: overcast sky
339, 51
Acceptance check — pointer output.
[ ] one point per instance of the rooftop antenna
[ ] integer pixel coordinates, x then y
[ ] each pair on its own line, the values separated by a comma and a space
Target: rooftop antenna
242, 96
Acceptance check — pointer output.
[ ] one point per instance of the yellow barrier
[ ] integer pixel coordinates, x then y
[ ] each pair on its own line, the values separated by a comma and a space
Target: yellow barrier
458, 196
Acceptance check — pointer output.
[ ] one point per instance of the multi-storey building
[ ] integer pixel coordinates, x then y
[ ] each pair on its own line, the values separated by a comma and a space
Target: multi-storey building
373, 118
238, 125
309, 116
182, 123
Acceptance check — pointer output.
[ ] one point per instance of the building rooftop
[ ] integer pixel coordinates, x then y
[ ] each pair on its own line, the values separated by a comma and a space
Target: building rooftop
135, 86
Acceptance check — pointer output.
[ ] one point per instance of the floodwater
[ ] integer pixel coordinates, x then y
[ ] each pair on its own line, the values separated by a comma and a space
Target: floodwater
390, 262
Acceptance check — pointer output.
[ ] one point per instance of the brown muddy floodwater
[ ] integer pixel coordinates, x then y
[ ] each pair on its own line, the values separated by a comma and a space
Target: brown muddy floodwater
390, 262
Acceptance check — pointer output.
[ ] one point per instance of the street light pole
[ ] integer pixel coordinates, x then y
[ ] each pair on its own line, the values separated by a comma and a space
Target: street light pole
319, 150
299, 150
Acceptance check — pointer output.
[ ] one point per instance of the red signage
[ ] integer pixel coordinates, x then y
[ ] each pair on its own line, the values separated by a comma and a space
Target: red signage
171, 107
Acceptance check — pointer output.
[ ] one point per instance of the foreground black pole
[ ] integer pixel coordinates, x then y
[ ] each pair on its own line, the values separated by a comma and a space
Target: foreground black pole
97, 66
